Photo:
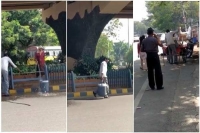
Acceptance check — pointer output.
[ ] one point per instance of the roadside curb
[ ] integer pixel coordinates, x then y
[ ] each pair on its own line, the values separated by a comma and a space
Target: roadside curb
54, 88
122, 91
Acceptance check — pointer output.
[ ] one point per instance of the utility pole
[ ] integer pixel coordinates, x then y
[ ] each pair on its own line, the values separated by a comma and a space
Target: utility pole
184, 17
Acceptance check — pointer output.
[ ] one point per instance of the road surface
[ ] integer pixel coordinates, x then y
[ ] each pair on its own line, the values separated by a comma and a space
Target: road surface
34, 113
174, 109
114, 114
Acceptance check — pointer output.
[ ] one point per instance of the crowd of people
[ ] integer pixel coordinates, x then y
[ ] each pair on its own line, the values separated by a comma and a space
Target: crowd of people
148, 53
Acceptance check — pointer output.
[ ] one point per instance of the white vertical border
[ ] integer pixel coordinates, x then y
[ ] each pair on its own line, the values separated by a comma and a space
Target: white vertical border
66, 59
0, 65
66, 66
199, 59
133, 67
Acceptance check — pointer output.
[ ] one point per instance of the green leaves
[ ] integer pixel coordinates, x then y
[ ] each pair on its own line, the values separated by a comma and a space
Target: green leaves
169, 14
120, 50
24, 27
88, 65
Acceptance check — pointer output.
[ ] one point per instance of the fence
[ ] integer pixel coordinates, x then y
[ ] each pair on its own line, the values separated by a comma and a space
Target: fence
121, 78
55, 73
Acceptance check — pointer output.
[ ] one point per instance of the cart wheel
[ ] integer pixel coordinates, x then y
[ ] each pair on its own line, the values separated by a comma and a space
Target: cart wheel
184, 59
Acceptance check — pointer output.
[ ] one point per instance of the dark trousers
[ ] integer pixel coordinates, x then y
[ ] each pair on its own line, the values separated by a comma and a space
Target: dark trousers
153, 63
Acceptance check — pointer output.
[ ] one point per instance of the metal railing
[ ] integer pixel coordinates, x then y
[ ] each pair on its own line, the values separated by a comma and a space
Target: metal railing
55, 73
121, 78
12, 74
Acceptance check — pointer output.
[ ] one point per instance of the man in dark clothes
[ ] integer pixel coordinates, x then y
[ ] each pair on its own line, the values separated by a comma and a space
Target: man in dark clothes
150, 46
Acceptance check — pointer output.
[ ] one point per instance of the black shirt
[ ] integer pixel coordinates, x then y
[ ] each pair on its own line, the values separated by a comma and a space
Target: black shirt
149, 45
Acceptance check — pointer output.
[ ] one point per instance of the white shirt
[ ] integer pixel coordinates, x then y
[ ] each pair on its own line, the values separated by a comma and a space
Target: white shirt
103, 68
5, 62
169, 38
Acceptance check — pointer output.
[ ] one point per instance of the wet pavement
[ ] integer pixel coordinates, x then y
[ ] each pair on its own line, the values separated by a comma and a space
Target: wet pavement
34, 113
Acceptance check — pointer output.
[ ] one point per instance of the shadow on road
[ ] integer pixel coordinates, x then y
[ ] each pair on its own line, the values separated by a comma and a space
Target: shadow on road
174, 109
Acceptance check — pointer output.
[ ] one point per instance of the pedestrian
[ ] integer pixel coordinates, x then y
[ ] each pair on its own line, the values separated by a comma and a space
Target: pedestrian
170, 42
103, 75
190, 45
40, 61
5, 61
150, 46
142, 55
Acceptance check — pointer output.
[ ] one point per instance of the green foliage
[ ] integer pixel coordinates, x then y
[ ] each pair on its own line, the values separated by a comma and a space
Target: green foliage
111, 29
140, 28
120, 50
25, 69
24, 27
88, 65
169, 14
104, 47
129, 58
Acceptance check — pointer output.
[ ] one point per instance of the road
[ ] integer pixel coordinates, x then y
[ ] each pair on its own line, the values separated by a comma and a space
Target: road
114, 114
34, 113
174, 109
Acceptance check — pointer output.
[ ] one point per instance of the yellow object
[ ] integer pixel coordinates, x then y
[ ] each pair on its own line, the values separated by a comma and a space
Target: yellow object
49, 58
31, 61
124, 90
56, 88
113, 91
77, 94
27, 90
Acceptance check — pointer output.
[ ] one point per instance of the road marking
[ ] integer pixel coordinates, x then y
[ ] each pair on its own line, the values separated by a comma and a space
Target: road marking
140, 94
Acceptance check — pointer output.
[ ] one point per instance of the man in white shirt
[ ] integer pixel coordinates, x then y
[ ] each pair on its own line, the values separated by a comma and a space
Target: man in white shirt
5, 61
103, 74
103, 71
169, 39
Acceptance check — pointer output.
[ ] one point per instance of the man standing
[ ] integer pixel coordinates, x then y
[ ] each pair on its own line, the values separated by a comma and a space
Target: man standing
5, 61
150, 46
169, 39
103, 75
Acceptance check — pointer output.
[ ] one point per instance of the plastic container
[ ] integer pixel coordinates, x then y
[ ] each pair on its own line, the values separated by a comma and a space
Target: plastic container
44, 86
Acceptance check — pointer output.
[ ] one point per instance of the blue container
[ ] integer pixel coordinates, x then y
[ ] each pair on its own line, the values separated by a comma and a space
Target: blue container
44, 86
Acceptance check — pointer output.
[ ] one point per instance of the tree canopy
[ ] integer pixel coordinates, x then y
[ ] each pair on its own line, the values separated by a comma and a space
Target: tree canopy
21, 28
169, 14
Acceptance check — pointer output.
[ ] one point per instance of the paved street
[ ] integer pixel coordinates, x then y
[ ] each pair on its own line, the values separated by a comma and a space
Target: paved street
174, 109
34, 113
114, 114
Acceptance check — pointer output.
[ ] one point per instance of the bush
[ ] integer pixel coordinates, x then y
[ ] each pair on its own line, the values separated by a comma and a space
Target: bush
88, 65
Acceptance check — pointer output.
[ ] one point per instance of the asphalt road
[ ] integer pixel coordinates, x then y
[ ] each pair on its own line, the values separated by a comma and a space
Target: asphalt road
34, 113
114, 114
174, 109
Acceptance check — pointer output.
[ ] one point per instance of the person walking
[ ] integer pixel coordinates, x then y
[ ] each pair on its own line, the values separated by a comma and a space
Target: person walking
5, 61
103, 75
142, 55
150, 46
170, 42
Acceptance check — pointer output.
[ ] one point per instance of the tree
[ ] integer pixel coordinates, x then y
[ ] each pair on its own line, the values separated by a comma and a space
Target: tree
120, 50
104, 47
140, 28
129, 58
169, 15
22, 28
112, 28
